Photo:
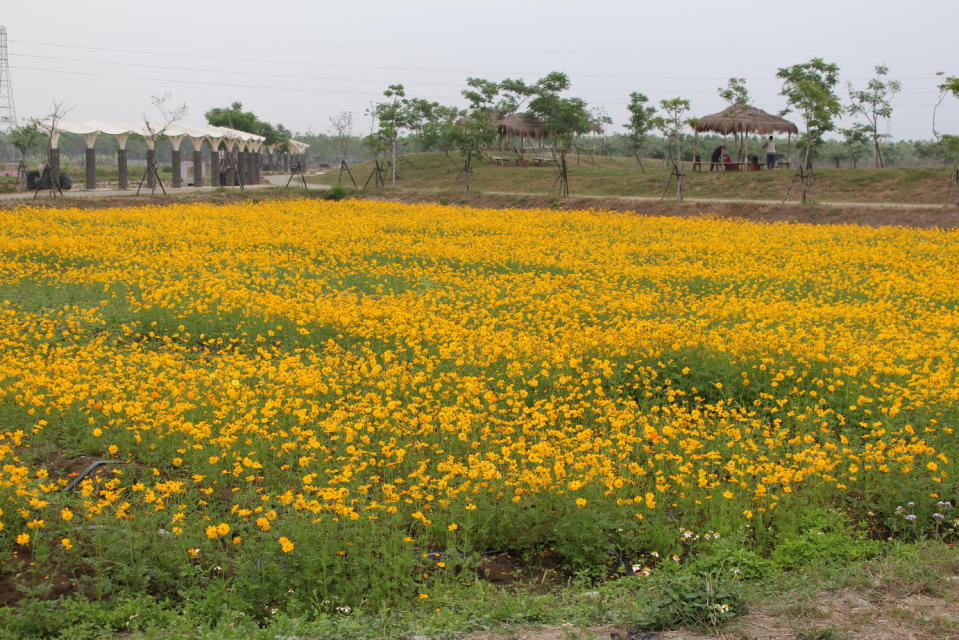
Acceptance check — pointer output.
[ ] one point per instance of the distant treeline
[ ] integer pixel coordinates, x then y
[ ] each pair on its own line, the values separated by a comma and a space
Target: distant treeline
832, 153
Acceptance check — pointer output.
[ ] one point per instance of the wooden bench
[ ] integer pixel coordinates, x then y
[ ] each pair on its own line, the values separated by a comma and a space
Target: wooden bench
543, 161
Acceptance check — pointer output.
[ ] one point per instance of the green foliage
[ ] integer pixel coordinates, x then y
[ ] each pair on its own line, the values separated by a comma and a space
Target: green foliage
642, 119
698, 602
670, 124
25, 137
855, 142
336, 192
735, 91
874, 103
732, 560
81, 619
820, 547
810, 89
235, 117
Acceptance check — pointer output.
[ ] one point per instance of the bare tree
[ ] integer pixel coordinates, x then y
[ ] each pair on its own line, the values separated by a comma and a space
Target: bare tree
155, 128
51, 125
874, 103
341, 130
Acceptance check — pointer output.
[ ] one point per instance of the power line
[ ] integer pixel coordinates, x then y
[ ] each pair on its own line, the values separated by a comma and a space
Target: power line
390, 68
365, 94
340, 79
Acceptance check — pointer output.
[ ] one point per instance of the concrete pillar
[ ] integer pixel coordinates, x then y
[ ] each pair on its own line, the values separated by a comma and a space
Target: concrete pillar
255, 164
286, 161
241, 165
90, 161
176, 165
176, 180
90, 164
197, 167
122, 175
214, 164
197, 161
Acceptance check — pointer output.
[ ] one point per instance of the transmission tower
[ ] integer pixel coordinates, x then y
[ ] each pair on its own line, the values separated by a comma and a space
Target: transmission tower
8, 113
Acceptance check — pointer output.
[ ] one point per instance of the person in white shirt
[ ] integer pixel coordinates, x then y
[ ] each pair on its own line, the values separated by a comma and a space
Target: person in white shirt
770, 153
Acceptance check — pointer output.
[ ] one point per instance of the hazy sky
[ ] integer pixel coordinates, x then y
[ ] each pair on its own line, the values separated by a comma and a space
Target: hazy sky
298, 63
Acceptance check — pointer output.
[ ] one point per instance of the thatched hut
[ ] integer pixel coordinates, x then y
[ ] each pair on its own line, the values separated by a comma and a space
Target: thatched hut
741, 119
518, 125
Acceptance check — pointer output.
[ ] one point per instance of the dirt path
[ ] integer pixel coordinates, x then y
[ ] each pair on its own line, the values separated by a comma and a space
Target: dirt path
847, 614
920, 216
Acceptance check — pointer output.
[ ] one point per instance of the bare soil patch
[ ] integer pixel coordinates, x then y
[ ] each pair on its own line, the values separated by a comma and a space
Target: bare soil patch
847, 614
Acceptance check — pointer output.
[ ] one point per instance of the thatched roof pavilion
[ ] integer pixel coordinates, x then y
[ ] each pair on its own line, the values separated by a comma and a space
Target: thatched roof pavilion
516, 124
741, 118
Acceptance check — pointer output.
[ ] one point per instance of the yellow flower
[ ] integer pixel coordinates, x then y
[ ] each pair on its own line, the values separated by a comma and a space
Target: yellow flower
66, 514
35, 524
212, 532
263, 523
223, 529
66, 543
112, 449
728, 495
424, 596
285, 544
580, 502
23, 538
453, 526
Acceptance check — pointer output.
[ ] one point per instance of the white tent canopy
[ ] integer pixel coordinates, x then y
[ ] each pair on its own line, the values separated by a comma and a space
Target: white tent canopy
120, 128
239, 164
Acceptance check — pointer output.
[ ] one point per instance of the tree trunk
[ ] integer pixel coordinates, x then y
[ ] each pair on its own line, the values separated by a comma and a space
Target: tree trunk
393, 161
564, 180
639, 161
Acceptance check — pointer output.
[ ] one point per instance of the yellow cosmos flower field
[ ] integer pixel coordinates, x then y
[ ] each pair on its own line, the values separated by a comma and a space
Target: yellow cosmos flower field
301, 392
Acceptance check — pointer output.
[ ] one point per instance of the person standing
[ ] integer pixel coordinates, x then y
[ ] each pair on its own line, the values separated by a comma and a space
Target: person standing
716, 158
770, 153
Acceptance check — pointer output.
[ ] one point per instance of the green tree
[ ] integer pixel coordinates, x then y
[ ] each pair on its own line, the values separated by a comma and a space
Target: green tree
395, 116
563, 119
874, 103
23, 139
948, 143
234, 117
670, 124
735, 91
810, 89
641, 121
855, 142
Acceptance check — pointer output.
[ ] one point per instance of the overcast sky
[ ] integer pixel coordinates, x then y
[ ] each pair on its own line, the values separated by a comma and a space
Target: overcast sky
298, 63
